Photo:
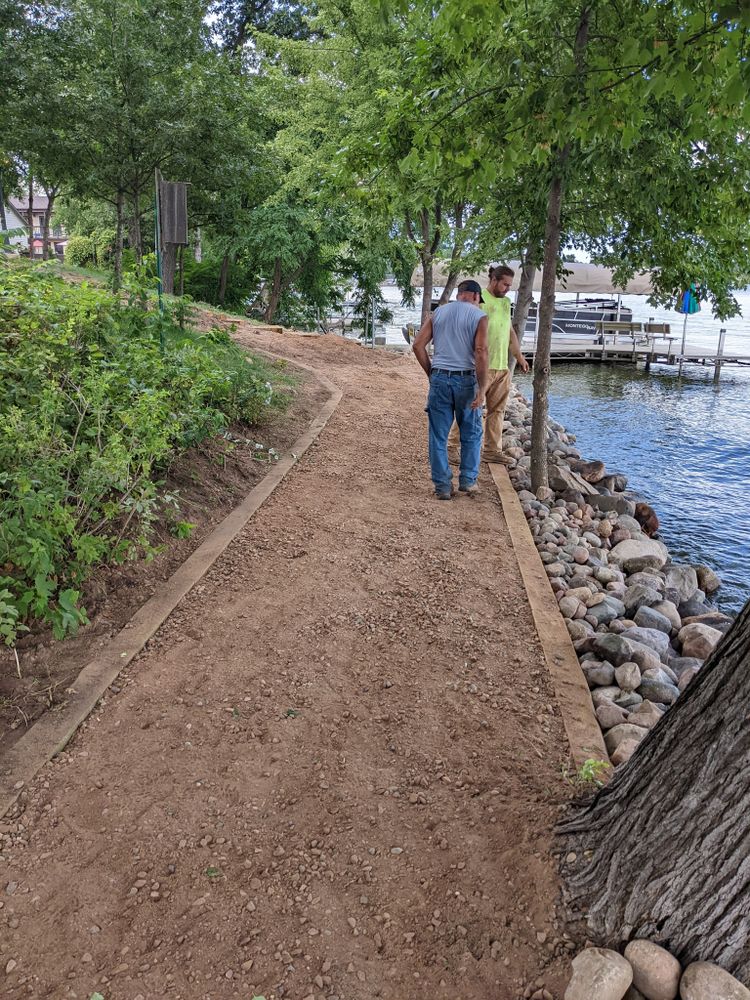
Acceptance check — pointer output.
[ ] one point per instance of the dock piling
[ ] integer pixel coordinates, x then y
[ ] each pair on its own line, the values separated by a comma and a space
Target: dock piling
719, 355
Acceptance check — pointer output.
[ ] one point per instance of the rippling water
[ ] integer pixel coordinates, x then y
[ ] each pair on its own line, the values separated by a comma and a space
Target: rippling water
683, 443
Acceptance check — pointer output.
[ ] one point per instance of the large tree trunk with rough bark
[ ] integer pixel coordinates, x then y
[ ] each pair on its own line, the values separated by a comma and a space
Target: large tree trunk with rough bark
542, 366
3, 220
274, 294
663, 851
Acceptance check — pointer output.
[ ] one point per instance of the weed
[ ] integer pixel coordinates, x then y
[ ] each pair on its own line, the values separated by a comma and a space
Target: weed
591, 774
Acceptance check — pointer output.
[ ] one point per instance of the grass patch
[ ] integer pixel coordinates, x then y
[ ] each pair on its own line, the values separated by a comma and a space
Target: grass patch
92, 411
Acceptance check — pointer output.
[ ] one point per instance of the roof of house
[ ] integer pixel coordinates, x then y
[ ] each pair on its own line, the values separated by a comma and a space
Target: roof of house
22, 204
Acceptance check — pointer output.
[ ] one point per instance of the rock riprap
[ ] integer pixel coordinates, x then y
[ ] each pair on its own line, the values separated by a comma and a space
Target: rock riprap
639, 621
600, 973
648, 972
656, 973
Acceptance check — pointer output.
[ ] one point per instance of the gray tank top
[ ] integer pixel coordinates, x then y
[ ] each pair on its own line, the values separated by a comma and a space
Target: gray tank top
454, 327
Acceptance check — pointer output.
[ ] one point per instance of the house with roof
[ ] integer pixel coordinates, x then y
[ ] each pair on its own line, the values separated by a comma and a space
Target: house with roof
14, 221
57, 236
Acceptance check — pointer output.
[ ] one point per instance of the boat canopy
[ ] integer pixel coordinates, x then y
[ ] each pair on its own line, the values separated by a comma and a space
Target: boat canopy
581, 279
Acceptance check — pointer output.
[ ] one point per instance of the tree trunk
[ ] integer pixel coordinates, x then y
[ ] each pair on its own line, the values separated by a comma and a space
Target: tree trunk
669, 836
544, 338
450, 284
198, 245
427, 262
136, 233
51, 195
454, 269
181, 291
3, 220
31, 215
223, 277
523, 303
275, 293
117, 277
168, 267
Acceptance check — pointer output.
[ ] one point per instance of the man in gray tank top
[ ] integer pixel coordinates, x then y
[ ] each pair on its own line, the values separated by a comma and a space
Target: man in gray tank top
458, 374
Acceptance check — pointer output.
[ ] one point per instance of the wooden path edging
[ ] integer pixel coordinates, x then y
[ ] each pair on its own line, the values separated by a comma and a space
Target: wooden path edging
571, 690
50, 733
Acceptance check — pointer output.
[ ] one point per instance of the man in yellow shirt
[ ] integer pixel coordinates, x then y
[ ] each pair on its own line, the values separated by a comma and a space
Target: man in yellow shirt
502, 337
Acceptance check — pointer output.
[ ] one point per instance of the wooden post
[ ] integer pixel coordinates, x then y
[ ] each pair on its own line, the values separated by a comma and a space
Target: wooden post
719, 355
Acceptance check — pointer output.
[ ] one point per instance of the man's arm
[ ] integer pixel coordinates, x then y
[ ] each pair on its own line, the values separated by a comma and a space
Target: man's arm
481, 361
515, 350
420, 346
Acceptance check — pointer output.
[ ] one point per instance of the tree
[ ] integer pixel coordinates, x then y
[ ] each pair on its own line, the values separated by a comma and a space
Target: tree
662, 850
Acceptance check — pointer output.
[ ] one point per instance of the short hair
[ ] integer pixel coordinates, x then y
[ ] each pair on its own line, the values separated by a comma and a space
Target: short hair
502, 270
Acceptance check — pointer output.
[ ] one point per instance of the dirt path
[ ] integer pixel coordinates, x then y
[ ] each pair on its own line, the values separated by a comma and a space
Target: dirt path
333, 772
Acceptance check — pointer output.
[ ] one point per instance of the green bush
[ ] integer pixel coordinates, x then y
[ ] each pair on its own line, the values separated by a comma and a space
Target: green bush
91, 413
79, 251
202, 282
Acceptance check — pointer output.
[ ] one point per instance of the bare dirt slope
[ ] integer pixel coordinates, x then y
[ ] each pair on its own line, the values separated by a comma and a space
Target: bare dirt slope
333, 772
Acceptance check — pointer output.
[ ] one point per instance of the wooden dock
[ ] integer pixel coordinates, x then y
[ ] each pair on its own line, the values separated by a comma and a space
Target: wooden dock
619, 350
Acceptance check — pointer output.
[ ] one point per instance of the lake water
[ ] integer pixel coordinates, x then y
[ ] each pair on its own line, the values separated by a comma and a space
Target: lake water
682, 442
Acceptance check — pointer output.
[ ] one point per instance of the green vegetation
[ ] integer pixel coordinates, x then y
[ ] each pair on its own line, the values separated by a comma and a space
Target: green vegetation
92, 413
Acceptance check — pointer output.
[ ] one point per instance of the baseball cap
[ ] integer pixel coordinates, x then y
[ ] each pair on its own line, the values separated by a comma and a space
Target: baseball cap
471, 286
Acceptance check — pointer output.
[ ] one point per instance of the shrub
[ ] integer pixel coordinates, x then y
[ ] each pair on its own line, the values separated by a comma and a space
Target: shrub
79, 251
91, 412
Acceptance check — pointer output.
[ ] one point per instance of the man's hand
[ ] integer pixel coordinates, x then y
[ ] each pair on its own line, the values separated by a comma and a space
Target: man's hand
478, 401
420, 346
523, 364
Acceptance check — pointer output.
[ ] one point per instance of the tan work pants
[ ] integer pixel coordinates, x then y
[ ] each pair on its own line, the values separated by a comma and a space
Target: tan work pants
498, 390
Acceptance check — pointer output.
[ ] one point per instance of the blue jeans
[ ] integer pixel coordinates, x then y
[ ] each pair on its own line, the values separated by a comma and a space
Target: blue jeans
450, 399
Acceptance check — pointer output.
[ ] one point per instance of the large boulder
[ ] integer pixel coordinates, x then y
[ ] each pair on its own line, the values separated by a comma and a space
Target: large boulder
663, 692
606, 610
612, 648
599, 973
698, 640
705, 981
650, 637
624, 752
669, 610
561, 478
695, 606
600, 696
716, 619
640, 595
682, 579
598, 674
650, 619
628, 676
637, 554
646, 714
619, 504
619, 734
656, 973
708, 581
609, 715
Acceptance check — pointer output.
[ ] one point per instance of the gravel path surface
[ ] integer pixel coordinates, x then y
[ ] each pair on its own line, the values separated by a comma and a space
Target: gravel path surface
334, 771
